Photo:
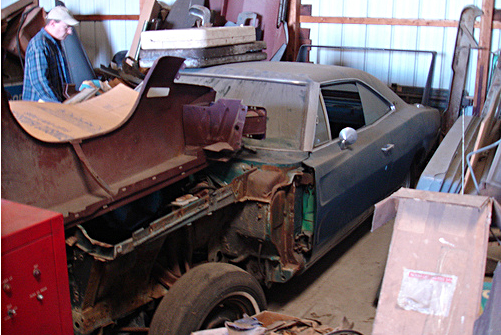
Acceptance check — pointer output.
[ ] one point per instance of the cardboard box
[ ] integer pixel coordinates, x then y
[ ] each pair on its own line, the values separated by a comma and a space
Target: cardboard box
435, 269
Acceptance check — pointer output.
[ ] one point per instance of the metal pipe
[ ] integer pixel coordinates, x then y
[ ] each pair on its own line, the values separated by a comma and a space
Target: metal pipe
468, 157
301, 57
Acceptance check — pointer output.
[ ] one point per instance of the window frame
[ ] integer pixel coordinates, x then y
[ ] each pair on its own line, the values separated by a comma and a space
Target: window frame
356, 83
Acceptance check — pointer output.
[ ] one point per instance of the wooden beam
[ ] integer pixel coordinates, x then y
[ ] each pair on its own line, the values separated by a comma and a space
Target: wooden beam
385, 21
99, 17
483, 58
294, 30
149, 10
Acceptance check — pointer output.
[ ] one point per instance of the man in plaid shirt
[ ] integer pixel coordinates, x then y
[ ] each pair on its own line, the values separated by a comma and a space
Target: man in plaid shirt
46, 71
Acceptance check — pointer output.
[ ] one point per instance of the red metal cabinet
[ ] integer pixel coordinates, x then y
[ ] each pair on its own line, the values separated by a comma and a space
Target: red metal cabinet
35, 289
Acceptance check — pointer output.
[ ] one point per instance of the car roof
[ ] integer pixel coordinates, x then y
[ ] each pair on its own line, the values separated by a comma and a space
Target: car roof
298, 71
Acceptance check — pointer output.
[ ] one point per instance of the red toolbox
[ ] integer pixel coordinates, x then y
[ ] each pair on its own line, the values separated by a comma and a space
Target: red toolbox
35, 289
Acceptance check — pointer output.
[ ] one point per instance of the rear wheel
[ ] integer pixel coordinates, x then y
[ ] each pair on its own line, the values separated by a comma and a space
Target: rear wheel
205, 297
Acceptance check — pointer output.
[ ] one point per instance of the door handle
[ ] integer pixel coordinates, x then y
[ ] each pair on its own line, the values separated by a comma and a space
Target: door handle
387, 148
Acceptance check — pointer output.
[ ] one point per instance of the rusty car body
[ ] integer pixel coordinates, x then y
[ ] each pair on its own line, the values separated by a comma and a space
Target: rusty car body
327, 188
187, 192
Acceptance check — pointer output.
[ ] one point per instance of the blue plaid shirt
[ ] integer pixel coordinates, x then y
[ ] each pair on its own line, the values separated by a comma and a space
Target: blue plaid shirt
45, 69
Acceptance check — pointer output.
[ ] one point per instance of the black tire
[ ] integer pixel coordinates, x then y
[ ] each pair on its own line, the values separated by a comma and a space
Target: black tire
205, 297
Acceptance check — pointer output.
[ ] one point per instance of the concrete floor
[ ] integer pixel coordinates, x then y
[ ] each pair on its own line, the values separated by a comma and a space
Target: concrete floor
344, 283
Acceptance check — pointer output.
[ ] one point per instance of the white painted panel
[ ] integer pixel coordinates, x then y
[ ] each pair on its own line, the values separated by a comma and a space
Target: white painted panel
47, 4
329, 7
329, 36
399, 68
405, 9
430, 39
6, 3
354, 35
378, 62
432, 9
403, 63
455, 7
380, 8
445, 70
101, 40
353, 8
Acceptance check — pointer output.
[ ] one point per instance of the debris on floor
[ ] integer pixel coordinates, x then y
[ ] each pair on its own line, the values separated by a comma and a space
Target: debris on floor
271, 323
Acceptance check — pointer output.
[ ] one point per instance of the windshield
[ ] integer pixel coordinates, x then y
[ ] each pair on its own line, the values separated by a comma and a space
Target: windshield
285, 104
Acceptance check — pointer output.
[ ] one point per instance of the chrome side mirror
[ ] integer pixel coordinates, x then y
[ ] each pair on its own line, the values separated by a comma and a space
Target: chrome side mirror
348, 136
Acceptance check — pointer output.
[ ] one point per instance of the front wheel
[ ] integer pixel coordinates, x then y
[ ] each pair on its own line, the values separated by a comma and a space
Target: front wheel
205, 297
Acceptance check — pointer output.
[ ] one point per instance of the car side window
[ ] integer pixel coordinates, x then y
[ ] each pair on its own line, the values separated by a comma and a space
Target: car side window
352, 104
321, 129
374, 105
344, 107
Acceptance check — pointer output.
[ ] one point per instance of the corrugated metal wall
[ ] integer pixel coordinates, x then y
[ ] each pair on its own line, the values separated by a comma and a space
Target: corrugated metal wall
103, 39
393, 67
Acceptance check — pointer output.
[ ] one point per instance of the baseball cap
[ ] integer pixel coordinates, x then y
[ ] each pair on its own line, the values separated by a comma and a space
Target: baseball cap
61, 13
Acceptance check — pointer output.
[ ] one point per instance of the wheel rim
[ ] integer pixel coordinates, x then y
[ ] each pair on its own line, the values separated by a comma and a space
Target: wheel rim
231, 308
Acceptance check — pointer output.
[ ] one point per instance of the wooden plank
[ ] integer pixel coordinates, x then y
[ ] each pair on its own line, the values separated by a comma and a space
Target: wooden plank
204, 62
487, 130
147, 57
305, 10
149, 10
483, 58
294, 30
435, 268
113, 17
219, 51
197, 37
385, 21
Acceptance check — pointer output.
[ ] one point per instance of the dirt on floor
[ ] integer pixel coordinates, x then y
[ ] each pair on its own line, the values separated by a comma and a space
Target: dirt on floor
343, 284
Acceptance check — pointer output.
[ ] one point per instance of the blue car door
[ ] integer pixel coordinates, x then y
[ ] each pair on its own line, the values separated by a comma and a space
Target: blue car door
349, 181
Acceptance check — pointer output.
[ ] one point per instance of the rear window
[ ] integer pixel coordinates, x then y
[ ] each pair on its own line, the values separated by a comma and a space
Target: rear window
285, 104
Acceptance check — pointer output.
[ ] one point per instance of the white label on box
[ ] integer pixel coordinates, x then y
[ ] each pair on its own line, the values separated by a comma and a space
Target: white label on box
427, 292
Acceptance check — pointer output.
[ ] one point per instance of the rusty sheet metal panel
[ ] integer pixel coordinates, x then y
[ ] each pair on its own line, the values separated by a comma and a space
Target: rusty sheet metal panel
158, 229
261, 184
102, 173
109, 281
222, 125
211, 125
255, 123
102, 292
270, 216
